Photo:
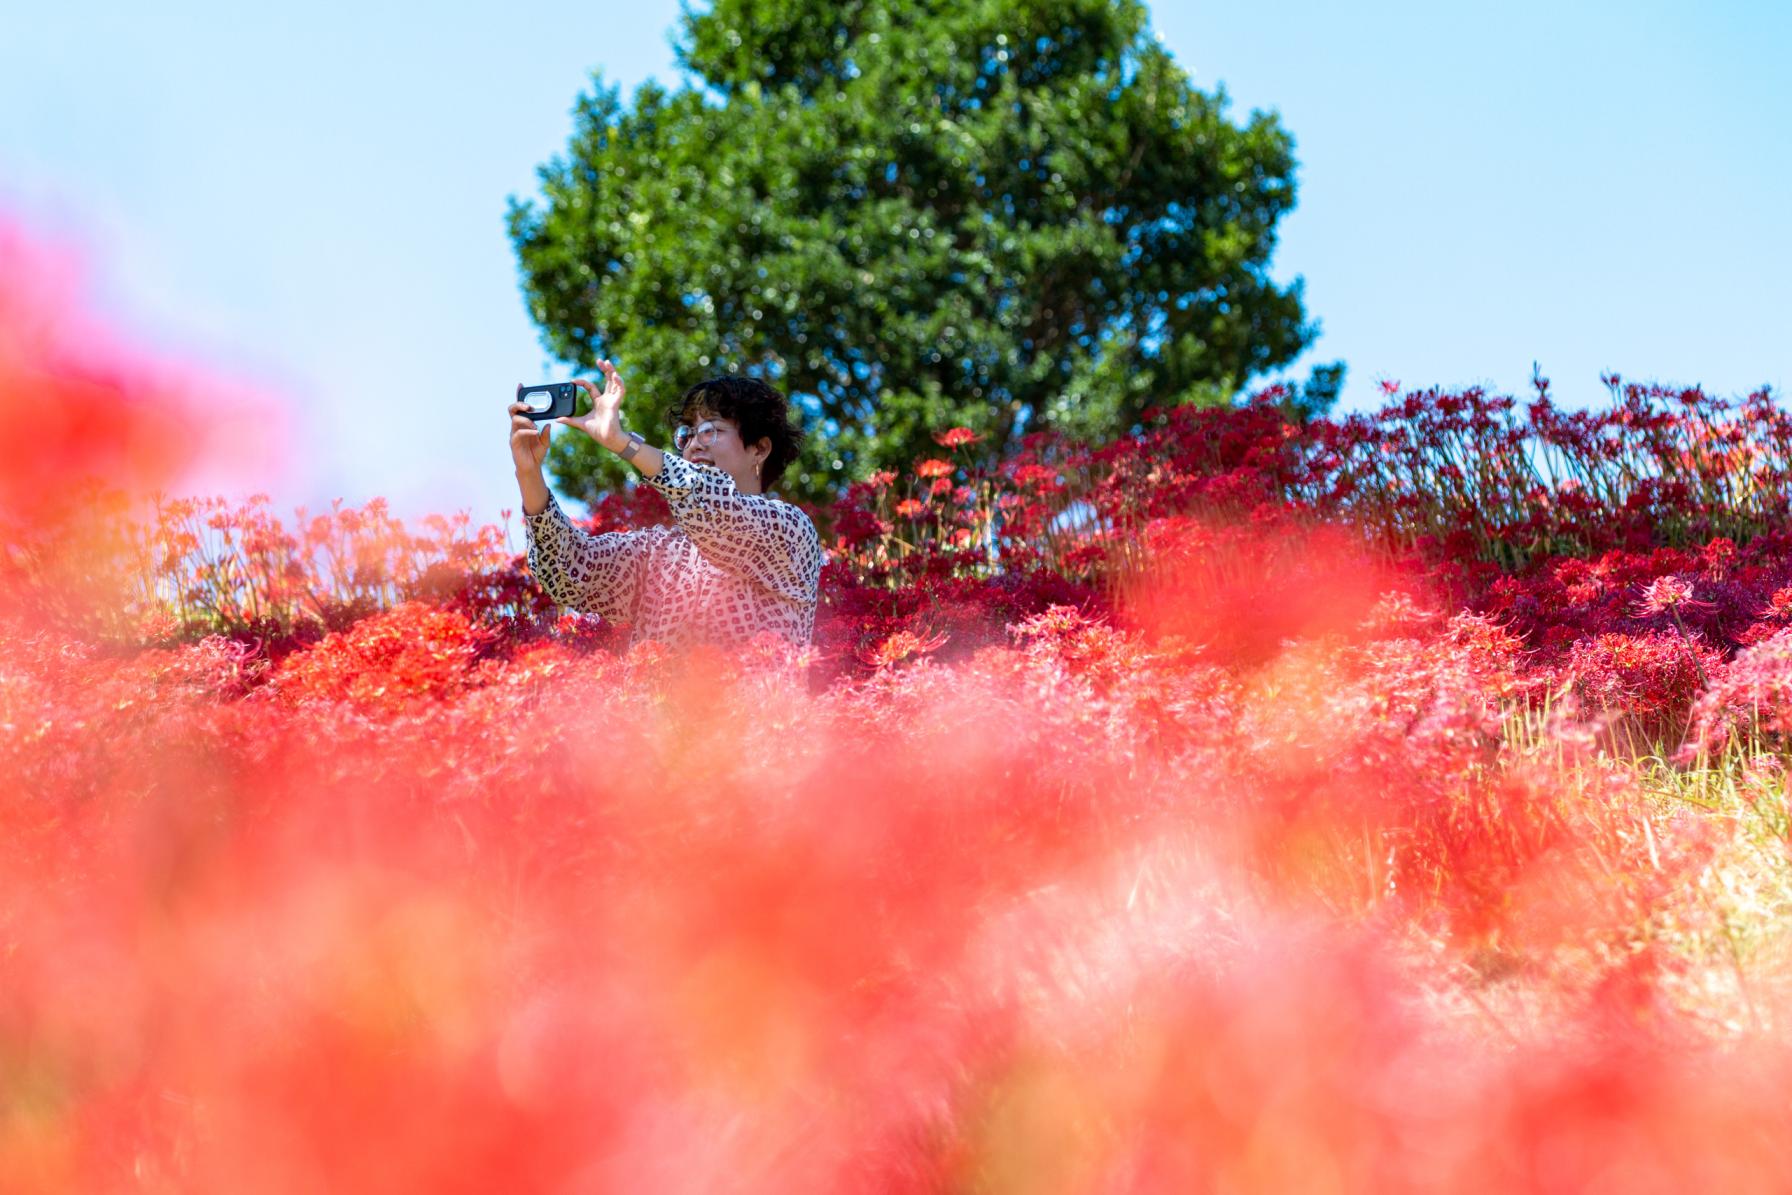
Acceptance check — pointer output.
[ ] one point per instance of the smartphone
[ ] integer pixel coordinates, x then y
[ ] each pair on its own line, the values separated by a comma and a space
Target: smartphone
559, 397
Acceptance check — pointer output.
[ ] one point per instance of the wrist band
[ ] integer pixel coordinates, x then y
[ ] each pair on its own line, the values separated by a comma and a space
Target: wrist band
634, 445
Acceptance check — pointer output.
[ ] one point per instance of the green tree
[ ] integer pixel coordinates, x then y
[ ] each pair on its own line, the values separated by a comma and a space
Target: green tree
908, 215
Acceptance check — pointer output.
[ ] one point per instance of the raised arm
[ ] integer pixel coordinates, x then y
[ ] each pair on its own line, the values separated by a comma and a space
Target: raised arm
597, 573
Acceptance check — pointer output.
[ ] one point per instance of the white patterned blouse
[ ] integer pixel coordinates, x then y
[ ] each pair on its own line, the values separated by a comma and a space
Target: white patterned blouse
733, 565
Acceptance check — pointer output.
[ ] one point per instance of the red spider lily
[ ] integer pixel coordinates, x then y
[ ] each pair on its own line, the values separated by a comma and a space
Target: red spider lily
1653, 678
911, 508
934, 468
903, 645
1246, 591
411, 651
1035, 475
956, 437
1669, 595
1751, 697
144, 423
401, 928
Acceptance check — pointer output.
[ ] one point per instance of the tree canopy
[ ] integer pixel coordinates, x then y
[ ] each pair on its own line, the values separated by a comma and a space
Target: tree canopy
914, 214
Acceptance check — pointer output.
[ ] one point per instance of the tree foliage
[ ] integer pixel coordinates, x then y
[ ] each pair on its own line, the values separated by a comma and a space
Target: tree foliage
910, 214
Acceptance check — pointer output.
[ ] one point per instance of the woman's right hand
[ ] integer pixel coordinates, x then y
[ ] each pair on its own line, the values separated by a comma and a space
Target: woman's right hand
528, 439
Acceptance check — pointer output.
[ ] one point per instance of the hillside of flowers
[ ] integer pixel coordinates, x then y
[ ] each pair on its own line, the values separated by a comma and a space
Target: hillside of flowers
1395, 802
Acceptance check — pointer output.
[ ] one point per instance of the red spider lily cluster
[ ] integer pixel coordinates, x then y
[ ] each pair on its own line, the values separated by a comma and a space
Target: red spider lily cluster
1145, 817
1620, 546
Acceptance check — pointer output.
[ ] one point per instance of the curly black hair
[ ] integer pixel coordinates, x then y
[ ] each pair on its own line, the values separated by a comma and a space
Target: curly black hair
758, 409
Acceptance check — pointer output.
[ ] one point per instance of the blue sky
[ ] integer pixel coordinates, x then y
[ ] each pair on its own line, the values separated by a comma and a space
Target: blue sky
313, 201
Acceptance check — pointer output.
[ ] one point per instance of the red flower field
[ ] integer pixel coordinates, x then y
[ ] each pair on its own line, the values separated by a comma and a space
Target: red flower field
1396, 803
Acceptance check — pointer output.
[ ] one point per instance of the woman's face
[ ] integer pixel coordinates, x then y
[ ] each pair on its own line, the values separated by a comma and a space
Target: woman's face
716, 441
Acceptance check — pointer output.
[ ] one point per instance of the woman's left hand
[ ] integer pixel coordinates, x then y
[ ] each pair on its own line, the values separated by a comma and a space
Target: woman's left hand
604, 422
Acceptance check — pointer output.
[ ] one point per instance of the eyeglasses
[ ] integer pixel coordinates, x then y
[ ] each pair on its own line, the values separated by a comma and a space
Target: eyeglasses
703, 435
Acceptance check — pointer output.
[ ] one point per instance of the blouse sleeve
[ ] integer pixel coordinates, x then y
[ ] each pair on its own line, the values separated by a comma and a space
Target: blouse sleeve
756, 538
597, 573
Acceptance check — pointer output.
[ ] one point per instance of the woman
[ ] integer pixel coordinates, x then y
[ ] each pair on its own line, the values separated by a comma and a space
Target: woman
738, 562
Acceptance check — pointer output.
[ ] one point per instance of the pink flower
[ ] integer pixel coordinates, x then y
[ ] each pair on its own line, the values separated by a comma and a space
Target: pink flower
1669, 594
